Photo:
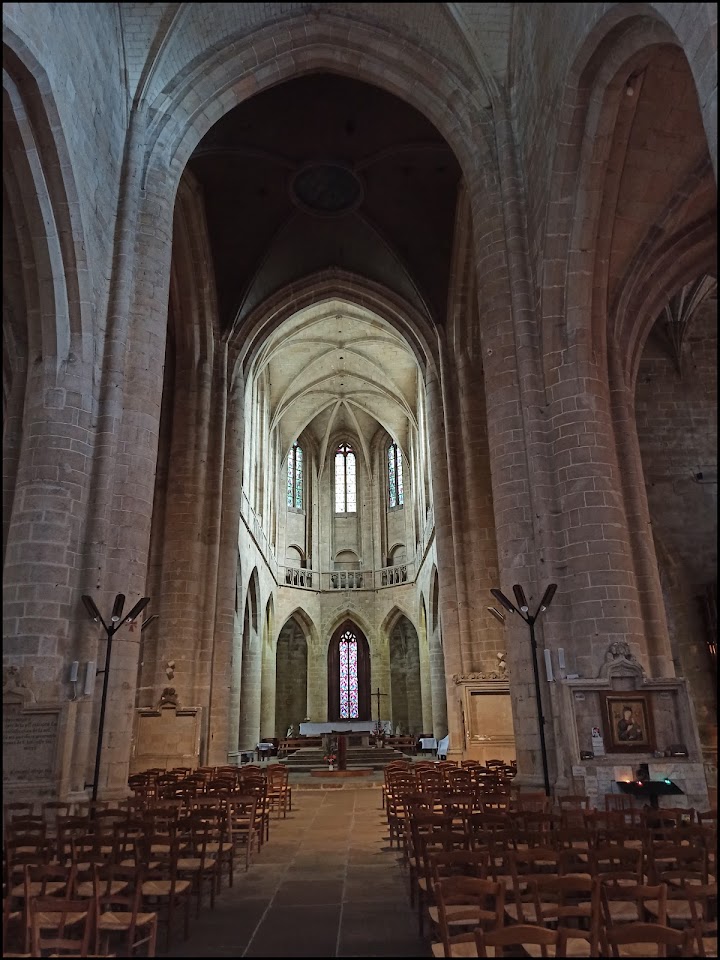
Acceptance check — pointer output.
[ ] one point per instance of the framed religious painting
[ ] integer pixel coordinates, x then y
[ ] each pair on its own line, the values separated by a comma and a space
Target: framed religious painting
627, 722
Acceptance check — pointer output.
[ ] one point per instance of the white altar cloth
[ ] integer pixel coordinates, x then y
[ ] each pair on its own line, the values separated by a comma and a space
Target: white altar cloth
311, 729
428, 743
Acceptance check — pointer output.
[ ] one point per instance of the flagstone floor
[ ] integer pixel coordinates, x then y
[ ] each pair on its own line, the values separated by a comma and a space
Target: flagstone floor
326, 885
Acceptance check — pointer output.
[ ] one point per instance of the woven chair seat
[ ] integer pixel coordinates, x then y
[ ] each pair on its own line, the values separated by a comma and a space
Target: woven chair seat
51, 888
48, 921
461, 914
121, 920
623, 911
194, 863
677, 910
163, 888
549, 913
468, 949
87, 888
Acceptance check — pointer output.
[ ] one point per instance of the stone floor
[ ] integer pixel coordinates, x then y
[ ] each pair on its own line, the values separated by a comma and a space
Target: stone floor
326, 885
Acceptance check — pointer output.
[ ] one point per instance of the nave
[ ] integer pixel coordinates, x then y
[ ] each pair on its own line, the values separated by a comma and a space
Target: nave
326, 885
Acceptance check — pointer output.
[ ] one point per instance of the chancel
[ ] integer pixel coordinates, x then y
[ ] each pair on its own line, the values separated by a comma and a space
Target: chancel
323, 325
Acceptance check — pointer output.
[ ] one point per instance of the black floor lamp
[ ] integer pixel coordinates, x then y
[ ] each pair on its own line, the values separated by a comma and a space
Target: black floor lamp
529, 619
116, 621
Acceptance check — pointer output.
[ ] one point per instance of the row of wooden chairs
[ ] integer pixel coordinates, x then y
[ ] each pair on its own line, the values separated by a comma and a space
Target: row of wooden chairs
572, 916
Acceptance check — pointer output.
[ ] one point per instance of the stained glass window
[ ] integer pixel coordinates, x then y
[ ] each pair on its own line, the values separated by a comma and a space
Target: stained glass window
345, 480
295, 478
395, 478
349, 676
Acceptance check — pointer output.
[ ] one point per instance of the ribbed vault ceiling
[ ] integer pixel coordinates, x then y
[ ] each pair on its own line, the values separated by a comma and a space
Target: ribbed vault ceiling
335, 368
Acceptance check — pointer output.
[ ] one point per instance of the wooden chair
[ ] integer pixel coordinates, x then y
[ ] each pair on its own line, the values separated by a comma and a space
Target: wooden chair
573, 903
523, 936
117, 893
162, 889
60, 927
243, 828
680, 868
466, 902
279, 790
703, 917
18, 808
628, 903
635, 939
198, 863
525, 866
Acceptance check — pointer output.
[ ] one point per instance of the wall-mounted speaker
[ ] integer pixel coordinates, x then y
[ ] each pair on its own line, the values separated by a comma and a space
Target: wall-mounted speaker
74, 667
89, 678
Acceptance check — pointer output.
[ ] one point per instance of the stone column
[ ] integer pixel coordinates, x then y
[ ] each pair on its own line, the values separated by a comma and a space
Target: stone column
250, 690
446, 560
267, 702
437, 681
224, 706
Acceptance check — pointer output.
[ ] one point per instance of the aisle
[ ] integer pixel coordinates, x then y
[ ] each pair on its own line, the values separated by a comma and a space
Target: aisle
326, 885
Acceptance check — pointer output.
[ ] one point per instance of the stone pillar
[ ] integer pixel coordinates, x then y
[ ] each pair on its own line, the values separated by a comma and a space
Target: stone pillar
226, 652
437, 680
267, 701
425, 682
317, 699
446, 560
521, 483
250, 690
43, 555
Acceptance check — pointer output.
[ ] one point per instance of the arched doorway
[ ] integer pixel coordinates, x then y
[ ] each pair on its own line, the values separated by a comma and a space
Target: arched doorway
348, 674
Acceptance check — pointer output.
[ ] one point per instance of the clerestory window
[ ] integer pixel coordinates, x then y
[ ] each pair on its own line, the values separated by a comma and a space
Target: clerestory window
345, 479
395, 477
295, 478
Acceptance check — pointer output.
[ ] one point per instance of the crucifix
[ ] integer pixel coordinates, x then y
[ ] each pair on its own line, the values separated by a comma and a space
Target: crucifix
377, 694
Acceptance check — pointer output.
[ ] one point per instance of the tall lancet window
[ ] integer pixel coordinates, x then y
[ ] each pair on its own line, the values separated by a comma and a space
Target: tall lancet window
345, 480
349, 709
295, 478
395, 477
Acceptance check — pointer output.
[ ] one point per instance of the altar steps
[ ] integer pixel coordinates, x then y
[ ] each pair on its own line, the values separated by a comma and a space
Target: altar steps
307, 759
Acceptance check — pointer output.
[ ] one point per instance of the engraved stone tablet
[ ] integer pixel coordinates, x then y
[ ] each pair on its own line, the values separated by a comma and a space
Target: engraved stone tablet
30, 744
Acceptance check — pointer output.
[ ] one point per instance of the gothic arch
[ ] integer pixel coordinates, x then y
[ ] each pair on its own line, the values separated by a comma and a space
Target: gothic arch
306, 622
390, 620
334, 284
44, 200
349, 612
193, 102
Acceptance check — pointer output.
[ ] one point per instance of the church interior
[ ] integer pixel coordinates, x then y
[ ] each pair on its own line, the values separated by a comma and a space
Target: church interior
359, 478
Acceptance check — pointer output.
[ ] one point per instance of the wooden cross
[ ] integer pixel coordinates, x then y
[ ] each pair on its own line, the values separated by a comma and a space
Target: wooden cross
378, 695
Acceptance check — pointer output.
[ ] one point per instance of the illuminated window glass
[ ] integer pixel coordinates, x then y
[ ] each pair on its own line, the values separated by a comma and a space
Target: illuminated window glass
349, 676
345, 480
395, 478
295, 477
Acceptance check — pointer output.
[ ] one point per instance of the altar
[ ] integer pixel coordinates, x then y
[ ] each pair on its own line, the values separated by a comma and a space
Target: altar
311, 729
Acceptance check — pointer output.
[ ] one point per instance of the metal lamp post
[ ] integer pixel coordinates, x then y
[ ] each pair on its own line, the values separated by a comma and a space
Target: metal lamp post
530, 620
116, 621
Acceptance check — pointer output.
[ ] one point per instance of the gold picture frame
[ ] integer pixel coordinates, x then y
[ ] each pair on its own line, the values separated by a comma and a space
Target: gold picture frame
628, 722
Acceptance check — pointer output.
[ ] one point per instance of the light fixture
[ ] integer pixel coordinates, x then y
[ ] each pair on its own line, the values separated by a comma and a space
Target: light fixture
115, 624
520, 597
118, 607
501, 598
137, 609
530, 619
146, 623
547, 596
92, 609
496, 613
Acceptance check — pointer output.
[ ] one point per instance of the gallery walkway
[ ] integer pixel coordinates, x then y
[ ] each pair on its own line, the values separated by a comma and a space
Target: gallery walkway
326, 885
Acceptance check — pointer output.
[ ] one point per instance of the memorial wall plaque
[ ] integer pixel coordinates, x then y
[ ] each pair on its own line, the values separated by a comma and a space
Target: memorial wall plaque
30, 744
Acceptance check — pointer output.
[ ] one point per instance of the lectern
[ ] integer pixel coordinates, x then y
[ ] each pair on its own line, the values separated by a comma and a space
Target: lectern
649, 789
